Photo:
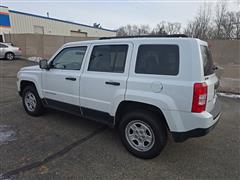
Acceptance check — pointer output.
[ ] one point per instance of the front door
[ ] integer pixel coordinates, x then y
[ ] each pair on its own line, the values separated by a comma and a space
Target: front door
61, 83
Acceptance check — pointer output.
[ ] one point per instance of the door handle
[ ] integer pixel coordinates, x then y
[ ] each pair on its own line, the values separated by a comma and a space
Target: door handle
71, 78
112, 83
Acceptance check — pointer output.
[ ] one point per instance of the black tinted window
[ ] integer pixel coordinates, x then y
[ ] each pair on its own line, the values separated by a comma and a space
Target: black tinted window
108, 58
158, 59
3, 46
69, 58
207, 61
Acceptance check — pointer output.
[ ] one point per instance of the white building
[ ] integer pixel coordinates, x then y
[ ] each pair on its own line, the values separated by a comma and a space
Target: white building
16, 22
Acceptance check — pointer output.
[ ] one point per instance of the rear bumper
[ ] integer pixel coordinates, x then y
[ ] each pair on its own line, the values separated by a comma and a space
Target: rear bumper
198, 132
18, 54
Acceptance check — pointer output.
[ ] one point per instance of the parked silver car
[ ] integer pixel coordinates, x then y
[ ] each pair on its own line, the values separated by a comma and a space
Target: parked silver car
10, 52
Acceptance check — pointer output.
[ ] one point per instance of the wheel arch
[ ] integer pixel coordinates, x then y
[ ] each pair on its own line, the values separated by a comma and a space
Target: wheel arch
8, 52
126, 106
24, 84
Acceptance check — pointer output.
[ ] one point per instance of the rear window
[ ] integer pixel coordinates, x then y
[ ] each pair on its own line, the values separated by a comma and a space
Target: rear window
158, 59
207, 61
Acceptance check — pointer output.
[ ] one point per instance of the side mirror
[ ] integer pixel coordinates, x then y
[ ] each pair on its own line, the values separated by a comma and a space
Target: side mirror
43, 64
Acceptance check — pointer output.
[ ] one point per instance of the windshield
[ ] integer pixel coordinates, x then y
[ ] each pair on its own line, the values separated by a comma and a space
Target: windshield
207, 61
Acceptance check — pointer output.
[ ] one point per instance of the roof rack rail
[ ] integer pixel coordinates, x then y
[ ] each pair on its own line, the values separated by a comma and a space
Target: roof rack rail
146, 36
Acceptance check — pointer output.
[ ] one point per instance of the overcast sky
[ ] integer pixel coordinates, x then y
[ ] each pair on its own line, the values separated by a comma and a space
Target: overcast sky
115, 13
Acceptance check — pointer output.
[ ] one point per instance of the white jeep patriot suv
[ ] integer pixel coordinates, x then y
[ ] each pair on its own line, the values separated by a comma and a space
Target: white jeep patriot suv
143, 86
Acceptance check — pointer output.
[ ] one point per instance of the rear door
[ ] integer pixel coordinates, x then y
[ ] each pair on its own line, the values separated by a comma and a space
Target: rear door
103, 82
209, 76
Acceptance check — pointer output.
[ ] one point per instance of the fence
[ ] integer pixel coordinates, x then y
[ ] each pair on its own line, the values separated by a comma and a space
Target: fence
226, 54
39, 45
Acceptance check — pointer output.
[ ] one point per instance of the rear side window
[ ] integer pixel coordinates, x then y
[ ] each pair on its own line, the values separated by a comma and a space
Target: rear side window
3, 46
207, 61
108, 58
158, 59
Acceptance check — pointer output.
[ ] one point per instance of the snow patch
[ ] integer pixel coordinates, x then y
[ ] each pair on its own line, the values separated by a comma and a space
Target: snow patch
229, 95
3, 178
6, 134
35, 59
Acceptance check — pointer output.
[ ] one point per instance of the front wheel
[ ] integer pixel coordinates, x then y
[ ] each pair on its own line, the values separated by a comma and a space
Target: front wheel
32, 102
143, 134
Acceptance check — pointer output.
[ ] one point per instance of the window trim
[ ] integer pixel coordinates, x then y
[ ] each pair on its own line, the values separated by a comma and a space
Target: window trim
52, 60
209, 71
157, 44
125, 62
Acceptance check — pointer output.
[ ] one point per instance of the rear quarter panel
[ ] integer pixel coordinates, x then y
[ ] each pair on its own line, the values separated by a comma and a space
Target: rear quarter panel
176, 91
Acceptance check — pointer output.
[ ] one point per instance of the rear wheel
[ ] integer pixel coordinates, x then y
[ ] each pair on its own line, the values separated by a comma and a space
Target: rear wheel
143, 134
9, 56
32, 102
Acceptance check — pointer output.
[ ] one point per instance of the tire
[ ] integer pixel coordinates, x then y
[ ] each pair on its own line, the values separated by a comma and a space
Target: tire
148, 144
9, 56
32, 103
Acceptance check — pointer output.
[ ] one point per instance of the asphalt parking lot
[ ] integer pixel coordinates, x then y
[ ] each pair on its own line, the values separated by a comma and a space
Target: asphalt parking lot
58, 145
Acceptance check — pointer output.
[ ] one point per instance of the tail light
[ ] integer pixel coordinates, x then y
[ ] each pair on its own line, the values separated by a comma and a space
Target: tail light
199, 97
19, 49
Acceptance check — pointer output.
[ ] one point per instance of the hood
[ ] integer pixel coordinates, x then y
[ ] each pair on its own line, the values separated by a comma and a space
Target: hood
31, 68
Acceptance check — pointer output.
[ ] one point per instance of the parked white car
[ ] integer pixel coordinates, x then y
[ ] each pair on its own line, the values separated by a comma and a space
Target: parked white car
143, 86
9, 52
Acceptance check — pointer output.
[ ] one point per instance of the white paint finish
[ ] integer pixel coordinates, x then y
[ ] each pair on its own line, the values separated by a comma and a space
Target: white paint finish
176, 93
211, 95
95, 93
156, 87
56, 87
174, 98
179, 121
22, 23
32, 74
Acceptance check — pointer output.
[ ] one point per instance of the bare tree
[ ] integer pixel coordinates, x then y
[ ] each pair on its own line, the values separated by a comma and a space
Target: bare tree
221, 11
224, 24
237, 25
122, 31
144, 30
173, 28
164, 28
160, 29
133, 30
201, 25
228, 25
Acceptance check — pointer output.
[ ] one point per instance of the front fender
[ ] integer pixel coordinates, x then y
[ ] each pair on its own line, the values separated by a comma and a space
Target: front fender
31, 77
